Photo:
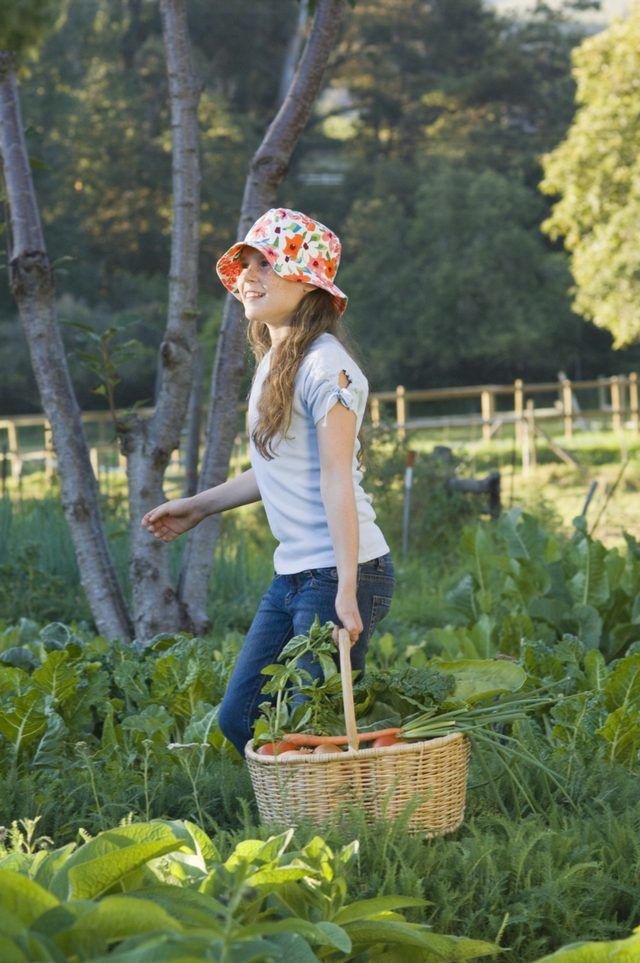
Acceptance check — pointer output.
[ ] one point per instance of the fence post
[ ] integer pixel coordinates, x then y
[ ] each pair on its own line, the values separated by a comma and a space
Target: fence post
401, 411
16, 462
567, 408
4, 468
616, 415
633, 400
49, 453
487, 404
602, 392
518, 408
375, 412
529, 458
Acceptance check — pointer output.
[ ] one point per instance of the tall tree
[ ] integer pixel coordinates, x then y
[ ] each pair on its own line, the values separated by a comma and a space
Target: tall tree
596, 172
148, 443
266, 171
31, 279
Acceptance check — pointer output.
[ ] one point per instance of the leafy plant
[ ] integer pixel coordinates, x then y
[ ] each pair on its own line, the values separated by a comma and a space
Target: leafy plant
102, 355
522, 583
592, 952
161, 890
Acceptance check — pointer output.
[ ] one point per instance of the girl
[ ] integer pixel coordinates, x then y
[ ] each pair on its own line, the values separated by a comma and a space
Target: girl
306, 407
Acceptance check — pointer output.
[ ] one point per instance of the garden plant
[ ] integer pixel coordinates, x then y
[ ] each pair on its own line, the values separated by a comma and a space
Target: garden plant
110, 746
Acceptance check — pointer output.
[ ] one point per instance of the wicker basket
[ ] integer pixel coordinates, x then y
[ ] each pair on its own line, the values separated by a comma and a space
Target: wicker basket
431, 775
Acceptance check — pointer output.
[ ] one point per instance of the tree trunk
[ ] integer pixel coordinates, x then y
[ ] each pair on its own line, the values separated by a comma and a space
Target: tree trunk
293, 50
267, 168
148, 443
192, 446
33, 287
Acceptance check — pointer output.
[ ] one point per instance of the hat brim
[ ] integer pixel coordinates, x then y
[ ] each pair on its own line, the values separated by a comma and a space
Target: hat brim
229, 267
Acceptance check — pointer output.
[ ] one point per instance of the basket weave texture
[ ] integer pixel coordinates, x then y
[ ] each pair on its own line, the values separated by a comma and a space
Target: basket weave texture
382, 782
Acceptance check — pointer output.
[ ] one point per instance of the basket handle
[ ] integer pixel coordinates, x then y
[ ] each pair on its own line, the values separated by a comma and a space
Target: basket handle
344, 644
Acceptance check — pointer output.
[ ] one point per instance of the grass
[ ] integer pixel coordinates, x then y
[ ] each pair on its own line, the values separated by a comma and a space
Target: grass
34, 536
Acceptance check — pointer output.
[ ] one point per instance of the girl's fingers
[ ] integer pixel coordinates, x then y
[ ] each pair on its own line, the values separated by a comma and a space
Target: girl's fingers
354, 633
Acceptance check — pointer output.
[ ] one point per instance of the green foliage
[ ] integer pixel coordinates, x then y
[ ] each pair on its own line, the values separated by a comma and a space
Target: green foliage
161, 890
41, 580
23, 25
547, 853
102, 356
433, 114
437, 511
595, 171
88, 728
480, 291
598, 952
27, 590
403, 689
522, 583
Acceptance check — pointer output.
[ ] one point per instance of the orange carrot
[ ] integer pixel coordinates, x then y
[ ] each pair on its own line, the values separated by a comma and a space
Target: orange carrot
306, 739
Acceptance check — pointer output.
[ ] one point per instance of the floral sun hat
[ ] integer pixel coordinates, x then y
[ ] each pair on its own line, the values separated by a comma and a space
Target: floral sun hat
297, 248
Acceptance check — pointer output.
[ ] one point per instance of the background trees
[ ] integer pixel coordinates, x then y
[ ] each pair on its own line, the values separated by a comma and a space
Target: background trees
433, 118
596, 170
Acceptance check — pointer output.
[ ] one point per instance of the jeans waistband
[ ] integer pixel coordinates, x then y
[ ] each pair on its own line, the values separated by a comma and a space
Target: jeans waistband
296, 577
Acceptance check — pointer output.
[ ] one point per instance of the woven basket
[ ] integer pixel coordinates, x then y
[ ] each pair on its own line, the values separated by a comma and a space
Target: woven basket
430, 775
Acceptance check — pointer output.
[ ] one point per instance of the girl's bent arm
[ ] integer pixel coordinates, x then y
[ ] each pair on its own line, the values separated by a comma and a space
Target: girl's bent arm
241, 490
336, 443
177, 516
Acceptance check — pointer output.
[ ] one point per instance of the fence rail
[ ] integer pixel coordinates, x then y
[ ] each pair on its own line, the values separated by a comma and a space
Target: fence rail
617, 402
617, 406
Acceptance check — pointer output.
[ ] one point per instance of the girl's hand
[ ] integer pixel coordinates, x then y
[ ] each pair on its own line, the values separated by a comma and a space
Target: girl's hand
349, 614
173, 518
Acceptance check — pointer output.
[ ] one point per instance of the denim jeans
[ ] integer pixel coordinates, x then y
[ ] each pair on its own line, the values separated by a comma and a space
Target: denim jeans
288, 608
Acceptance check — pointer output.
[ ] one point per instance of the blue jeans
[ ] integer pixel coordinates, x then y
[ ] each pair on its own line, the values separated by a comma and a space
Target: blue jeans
288, 608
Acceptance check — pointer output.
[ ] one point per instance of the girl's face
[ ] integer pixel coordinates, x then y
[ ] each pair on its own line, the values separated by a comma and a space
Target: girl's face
265, 296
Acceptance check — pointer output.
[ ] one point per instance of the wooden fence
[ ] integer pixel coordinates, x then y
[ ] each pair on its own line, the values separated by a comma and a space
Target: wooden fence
616, 408
617, 398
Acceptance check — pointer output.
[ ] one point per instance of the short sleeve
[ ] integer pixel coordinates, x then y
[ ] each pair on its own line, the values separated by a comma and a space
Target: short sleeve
322, 390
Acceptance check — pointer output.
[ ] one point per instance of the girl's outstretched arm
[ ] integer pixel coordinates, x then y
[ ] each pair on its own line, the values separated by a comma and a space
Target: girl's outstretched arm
336, 441
177, 516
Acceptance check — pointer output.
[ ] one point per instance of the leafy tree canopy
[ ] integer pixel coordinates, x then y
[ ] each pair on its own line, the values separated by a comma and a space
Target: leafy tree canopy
596, 170
456, 263
24, 23
431, 126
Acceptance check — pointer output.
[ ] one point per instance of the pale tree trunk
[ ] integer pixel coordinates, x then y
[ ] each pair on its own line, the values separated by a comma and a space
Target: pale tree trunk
294, 48
268, 167
192, 446
33, 287
148, 443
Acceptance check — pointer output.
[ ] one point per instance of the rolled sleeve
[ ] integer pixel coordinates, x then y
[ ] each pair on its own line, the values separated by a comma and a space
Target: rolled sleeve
322, 391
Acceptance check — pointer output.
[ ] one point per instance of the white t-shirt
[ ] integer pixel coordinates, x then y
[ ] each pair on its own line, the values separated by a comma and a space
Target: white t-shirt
289, 483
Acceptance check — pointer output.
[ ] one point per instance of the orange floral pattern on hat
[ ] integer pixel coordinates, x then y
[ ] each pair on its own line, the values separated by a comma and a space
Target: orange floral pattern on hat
292, 245
297, 247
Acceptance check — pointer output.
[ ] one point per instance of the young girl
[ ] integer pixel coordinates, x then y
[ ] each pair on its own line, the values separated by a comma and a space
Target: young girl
306, 407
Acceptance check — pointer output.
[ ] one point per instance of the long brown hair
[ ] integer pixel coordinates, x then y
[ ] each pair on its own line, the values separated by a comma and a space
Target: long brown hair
316, 314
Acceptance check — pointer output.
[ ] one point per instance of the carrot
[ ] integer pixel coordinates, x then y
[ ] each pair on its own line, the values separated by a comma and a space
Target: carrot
306, 739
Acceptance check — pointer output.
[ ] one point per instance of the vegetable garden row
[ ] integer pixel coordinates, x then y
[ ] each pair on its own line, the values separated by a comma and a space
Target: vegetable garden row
132, 832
